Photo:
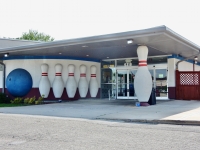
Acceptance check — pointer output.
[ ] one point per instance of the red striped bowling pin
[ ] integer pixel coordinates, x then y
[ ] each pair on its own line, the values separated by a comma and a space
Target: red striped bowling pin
71, 85
93, 82
44, 85
58, 84
143, 80
83, 84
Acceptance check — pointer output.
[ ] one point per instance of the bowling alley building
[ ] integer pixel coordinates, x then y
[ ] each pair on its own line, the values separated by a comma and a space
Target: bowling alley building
114, 57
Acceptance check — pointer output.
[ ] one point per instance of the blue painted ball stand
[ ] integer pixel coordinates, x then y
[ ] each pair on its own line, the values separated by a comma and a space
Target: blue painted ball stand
19, 82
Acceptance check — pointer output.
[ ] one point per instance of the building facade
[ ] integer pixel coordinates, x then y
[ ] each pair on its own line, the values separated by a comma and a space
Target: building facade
114, 58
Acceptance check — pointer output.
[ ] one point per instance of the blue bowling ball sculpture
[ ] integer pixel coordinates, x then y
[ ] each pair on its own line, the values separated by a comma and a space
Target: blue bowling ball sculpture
19, 82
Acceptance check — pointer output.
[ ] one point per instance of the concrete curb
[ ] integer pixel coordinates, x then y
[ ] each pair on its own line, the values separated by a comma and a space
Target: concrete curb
173, 122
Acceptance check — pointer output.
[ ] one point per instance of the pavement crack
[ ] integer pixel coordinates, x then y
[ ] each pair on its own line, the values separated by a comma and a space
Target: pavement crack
98, 117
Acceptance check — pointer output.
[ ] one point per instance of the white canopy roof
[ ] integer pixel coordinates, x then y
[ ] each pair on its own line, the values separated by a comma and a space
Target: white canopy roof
160, 41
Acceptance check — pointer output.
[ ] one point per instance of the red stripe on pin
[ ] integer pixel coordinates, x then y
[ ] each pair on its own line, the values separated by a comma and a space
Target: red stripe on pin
44, 74
58, 74
142, 65
82, 75
71, 74
93, 75
142, 61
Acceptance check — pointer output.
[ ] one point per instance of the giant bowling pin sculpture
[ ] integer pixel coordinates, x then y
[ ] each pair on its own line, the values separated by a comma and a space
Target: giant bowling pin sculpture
58, 84
143, 80
93, 82
71, 85
44, 85
83, 84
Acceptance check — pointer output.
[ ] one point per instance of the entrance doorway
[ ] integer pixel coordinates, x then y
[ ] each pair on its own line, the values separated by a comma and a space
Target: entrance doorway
117, 80
125, 83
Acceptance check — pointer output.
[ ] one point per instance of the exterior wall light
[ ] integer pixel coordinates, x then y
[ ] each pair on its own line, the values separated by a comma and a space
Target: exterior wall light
130, 41
6, 54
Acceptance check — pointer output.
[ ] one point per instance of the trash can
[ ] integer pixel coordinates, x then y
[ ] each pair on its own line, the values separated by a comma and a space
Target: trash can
152, 98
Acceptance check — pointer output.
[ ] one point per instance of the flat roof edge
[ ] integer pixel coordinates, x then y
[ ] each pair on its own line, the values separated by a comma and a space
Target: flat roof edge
181, 38
82, 40
18, 40
99, 38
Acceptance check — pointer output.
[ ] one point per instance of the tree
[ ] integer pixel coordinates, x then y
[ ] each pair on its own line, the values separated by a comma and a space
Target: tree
36, 36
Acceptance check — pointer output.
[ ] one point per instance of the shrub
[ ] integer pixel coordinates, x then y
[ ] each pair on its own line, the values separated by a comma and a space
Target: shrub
26, 100
40, 100
17, 100
31, 100
4, 98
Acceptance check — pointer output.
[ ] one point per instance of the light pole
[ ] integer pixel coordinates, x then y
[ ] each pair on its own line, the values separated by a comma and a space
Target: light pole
195, 61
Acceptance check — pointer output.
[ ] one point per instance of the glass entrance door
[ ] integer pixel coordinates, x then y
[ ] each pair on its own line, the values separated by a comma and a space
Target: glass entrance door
125, 83
122, 82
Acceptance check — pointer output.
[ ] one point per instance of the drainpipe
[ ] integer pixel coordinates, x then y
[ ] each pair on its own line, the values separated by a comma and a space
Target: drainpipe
185, 59
4, 75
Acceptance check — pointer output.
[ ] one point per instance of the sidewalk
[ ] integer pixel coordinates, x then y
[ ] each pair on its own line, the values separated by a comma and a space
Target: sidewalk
170, 112
167, 112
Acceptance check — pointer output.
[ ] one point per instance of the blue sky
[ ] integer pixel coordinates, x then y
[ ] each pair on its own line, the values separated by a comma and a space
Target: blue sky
65, 19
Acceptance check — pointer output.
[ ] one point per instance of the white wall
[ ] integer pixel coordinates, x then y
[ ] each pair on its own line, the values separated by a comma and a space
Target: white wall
33, 66
171, 65
186, 66
183, 66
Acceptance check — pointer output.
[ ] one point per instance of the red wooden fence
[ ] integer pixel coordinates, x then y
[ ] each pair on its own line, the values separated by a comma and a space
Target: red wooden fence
188, 85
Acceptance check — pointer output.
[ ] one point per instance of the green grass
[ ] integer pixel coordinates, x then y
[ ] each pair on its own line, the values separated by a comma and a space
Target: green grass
12, 105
